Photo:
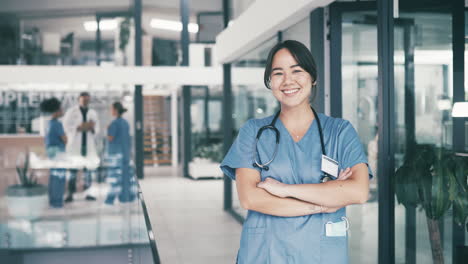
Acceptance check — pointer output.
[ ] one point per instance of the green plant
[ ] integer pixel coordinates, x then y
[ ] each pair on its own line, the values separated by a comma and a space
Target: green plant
434, 179
124, 33
213, 152
26, 177
124, 36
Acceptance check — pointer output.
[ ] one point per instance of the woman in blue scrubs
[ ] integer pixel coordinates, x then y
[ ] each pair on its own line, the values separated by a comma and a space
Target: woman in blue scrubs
119, 174
55, 141
294, 217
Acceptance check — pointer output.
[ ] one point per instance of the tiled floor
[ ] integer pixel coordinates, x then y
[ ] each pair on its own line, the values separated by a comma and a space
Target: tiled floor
188, 221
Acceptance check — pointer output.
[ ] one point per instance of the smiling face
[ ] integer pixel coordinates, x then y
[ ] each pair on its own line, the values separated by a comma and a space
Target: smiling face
290, 83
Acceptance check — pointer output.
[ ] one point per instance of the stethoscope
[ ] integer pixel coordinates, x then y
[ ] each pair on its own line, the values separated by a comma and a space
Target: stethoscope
265, 166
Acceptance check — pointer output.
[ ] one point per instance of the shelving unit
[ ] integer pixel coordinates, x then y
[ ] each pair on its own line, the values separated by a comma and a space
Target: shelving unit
157, 131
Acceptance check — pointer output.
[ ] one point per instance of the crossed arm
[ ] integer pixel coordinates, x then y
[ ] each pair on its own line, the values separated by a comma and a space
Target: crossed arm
279, 199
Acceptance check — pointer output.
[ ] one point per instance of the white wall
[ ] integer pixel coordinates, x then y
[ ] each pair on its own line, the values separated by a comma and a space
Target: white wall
109, 76
262, 20
239, 6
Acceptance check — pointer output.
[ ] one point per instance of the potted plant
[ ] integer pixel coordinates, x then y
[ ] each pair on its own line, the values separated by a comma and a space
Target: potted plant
434, 179
27, 199
124, 37
205, 163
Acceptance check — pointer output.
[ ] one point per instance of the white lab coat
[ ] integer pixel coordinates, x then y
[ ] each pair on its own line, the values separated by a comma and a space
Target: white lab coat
72, 119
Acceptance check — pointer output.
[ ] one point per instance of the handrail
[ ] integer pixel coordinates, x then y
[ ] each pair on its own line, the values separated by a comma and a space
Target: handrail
152, 241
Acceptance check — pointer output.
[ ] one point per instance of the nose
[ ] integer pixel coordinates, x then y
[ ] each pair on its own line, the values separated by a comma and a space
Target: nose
288, 79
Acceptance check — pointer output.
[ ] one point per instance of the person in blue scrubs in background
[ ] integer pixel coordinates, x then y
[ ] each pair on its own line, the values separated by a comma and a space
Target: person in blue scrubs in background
294, 217
119, 174
55, 141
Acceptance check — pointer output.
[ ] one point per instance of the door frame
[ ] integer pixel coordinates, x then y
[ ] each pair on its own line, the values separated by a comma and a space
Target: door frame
385, 24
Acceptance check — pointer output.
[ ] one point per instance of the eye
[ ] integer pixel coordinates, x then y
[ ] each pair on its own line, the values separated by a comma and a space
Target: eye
277, 73
296, 71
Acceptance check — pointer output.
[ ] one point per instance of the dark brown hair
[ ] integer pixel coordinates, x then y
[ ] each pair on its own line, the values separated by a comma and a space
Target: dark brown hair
300, 53
84, 94
119, 107
50, 105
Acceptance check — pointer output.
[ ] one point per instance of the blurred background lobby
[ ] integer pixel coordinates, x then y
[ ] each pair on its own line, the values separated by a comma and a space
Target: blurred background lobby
190, 74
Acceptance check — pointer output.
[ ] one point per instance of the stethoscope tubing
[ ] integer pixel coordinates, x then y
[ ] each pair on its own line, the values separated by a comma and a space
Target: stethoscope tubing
272, 126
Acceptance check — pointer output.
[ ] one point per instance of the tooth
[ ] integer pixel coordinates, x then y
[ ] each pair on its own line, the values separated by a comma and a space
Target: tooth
291, 91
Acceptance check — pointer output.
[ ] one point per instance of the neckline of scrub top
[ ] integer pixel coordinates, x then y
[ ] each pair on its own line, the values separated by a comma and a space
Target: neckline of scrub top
303, 137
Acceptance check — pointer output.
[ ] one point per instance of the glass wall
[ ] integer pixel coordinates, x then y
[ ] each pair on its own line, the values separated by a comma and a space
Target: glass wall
69, 35
59, 195
428, 174
20, 112
206, 132
359, 106
426, 167
71, 40
251, 101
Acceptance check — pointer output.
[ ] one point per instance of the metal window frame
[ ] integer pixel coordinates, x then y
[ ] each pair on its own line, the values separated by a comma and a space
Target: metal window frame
386, 218
227, 116
386, 107
317, 48
187, 129
138, 93
458, 136
336, 11
386, 160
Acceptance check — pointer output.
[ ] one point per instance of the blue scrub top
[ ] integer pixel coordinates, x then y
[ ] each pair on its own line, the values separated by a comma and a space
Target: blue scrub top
273, 239
120, 131
54, 132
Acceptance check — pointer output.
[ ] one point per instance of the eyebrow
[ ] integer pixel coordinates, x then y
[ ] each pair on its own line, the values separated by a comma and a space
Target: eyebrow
279, 68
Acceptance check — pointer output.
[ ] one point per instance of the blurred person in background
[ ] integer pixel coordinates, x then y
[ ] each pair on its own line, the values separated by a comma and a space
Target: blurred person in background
55, 141
119, 174
82, 125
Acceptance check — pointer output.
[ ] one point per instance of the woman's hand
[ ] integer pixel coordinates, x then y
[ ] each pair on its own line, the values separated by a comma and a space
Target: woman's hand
274, 187
345, 174
279, 189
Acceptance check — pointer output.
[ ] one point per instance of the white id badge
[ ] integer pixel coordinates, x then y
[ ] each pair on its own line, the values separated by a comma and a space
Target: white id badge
330, 166
337, 229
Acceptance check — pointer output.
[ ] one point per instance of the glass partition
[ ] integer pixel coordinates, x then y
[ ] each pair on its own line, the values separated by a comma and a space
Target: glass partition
206, 132
69, 37
71, 40
81, 235
429, 178
253, 100
67, 176
423, 137
359, 104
